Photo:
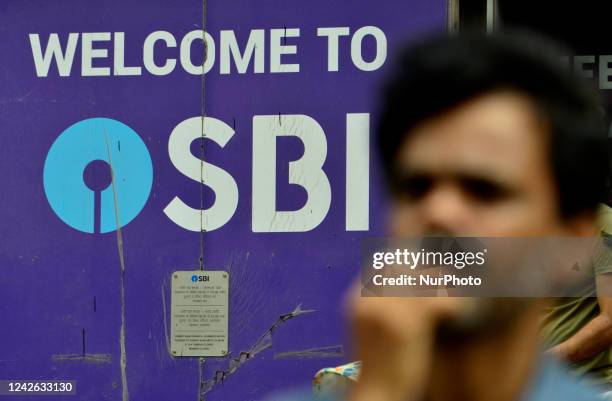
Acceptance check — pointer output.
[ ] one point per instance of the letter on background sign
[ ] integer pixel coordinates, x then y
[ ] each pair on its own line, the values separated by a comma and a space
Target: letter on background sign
54, 50
306, 172
219, 180
357, 171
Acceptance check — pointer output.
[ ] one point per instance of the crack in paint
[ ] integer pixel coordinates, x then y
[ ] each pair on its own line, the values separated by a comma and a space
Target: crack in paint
203, 217
263, 342
166, 335
94, 358
202, 158
123, 361
200, 373
331, 351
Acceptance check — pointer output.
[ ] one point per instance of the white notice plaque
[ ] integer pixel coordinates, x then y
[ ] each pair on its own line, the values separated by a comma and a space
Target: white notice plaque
199, 313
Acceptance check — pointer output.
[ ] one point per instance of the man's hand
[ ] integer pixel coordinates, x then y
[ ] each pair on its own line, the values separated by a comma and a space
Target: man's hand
395, 340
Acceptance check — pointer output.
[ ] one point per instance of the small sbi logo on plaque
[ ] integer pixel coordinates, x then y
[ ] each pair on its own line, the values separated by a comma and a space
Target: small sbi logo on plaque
195, 278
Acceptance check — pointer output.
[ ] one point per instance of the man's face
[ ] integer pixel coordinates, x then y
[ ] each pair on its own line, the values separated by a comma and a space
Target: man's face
481, 169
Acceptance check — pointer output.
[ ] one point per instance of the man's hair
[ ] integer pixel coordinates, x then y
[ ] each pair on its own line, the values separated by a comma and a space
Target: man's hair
441, 73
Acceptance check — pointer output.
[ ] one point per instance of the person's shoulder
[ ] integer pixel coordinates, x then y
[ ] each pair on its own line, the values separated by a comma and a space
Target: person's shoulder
329, 384
554, 382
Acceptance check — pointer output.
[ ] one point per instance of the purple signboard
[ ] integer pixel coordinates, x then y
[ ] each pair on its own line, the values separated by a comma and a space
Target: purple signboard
87, 256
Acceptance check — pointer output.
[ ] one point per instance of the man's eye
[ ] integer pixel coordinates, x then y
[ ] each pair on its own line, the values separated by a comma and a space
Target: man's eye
483, 190
414, 188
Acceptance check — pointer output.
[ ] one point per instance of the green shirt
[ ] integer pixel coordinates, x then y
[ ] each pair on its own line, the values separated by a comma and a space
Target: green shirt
568, 315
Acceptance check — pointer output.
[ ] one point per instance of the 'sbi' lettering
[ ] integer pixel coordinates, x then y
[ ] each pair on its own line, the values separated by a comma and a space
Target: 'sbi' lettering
196, 278
83, 206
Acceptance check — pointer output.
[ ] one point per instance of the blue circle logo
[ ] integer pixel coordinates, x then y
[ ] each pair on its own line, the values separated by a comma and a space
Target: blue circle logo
194, 278
87, 141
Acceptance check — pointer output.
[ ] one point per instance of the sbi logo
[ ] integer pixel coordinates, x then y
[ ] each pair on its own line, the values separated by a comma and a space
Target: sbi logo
80, 144
195, 278
104, 207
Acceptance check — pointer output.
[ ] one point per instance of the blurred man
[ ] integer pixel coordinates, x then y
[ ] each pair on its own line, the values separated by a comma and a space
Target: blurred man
479, 136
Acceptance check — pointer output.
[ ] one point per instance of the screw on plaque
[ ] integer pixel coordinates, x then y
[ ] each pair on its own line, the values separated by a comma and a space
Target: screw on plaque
224, 275
176, 276
223, 352
173, 352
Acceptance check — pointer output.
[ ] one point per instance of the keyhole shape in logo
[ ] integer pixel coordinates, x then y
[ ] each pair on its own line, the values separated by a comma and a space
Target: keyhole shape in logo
87, 141
194, 278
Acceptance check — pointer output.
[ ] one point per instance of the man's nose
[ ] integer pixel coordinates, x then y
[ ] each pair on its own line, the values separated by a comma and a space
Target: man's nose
444, 209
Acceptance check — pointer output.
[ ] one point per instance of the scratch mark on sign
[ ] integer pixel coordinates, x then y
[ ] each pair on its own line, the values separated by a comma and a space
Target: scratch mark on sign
203, 217
331, 351
92, 358
263, 342
27, 95
240, 277
83, 340
123, 363
166, 335
200, 375
203, 220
